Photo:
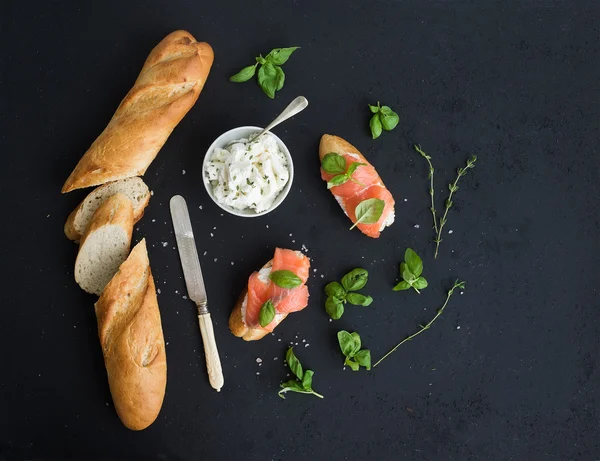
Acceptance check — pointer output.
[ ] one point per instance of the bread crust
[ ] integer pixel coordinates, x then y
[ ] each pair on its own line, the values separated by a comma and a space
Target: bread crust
236, 322
330, 143
70, 230
167, 87
131, 336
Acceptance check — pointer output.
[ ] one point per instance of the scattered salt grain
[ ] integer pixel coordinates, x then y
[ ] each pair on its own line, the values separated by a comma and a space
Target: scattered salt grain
458, 327
232, 263
176, 292
450, 231
306, 345
322, 276
154, 220
215, 260
295, 344
200, 207
330, 320
211, 234
215, 228
184, 297
151, 192
167, 343
158, 290
279, 339
417, 226
258, 360
293, 241
182, 171
267, 226
275, 358
164, 244
290, 235
304, 340
314, 270
204, 254
462, 292
258, 372
304, 248
48, 216
406, 200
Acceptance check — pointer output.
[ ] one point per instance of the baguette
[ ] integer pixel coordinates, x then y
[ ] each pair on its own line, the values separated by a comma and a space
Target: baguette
80, 217
167, 87
105, 244
131, 336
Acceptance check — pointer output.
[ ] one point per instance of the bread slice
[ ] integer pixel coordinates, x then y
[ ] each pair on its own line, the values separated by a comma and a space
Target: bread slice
134, 188
105, 244
133, 345
236, 320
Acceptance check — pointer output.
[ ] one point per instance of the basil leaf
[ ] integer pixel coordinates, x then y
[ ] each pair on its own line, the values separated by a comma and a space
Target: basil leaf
414, 263
307, 380
261, 60
279, 56
374, 109
407, 274
333, 163
355, 280
267, 313
385, 110
347, 343
352, 168
280, 77
389, 122
402, 286
294, 363
368, 211
334, 307
375, 125
352, 364
357, 344
243, 75
267, 79
364, 358
335, 289
337, 180
359, 300
420, 283
285, 279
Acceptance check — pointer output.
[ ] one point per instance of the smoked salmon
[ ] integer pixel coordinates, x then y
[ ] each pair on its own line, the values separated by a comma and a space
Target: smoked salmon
282, 281
353, 181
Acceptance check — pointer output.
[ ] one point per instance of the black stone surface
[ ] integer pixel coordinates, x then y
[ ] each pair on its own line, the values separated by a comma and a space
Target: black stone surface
508, 372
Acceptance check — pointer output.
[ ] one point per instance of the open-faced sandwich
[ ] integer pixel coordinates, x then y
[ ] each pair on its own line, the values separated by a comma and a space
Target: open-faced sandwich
272, 293
356, 186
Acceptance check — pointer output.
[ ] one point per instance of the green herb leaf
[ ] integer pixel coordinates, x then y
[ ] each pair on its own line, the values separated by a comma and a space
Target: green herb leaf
348, 343
352, 168
334, 307
385, 110
359, 300
375, 125
373, 109
414, 263
403, 285
280, 77
368, 211
389, 122
355, 280
260, 59
364, 358
285, 279
267, 313
352, 364
406, 273
279, 56
337, 180
292, 385
333, 163
420, 283
243, 75
335, 289
294, 363
267, 79
307, 380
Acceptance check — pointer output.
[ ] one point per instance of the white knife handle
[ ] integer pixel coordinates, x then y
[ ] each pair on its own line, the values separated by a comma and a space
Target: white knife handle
213, 362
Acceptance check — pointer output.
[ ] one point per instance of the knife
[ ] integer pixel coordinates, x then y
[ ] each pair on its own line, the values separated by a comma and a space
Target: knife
195, 287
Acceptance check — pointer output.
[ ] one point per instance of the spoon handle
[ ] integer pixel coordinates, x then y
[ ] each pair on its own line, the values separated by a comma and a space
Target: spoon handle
297, 105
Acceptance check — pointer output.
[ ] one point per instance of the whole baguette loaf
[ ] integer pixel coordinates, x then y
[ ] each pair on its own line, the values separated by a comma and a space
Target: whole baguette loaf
166, 89
238, 326
105, 244
132, 341
80, 217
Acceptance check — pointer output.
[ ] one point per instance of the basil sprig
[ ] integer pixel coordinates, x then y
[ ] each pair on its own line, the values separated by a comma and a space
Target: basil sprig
270, 75
303, 384
339, 294
267, 313
368, 211
355, 356
285, 279
333, 163
410, 271
383, 118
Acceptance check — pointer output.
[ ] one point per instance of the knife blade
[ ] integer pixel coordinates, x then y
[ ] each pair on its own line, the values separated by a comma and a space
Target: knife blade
195, 286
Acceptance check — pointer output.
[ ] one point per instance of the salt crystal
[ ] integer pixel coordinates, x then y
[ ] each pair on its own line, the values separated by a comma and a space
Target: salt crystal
200, 207
330, 320
184, 297
48, 216
158, 290
322, 276
211, 234
176, 292
154, 220
164, 244
293, 241
275, 358
461, 292
167, 343
306, 345
458, 327
214, 228
204, 254
267, 226
406, 200
182, 171
258, 360
279, 339
290, 235
232, 263
417, 226
304, 340
258, 372
215, 259
450, 231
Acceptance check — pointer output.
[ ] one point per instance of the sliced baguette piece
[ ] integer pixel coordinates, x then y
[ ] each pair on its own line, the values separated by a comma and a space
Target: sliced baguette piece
236, 320
133, 345
134, 188
105, 244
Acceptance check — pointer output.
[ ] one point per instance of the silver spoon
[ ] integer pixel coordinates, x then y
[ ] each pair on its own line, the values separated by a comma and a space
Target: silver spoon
296, 106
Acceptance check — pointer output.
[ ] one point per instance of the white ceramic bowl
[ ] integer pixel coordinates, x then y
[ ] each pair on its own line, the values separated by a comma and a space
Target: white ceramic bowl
233, 135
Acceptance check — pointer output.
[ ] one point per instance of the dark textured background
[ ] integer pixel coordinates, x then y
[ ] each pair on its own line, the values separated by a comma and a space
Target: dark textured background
518, 85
